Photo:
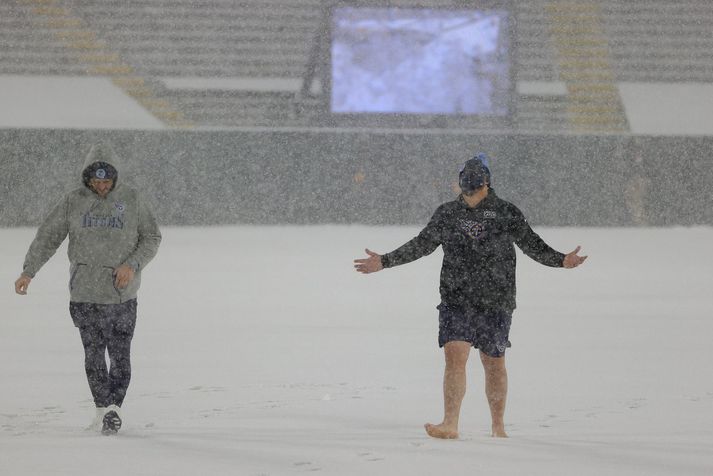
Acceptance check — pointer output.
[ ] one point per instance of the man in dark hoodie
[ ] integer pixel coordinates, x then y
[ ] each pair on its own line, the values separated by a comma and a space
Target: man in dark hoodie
112, 237
477, 232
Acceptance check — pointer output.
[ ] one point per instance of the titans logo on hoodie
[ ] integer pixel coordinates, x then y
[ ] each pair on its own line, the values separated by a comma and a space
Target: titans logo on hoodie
89, 220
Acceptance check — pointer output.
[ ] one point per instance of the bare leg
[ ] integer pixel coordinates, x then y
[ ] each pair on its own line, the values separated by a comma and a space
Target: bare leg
456, 353
496, 389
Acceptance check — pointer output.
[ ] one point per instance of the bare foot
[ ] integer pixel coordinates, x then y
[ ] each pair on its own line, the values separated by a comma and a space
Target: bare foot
499, 432
441, 431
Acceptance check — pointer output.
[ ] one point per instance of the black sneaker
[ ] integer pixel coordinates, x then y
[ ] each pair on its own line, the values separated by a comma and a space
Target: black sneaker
111, 423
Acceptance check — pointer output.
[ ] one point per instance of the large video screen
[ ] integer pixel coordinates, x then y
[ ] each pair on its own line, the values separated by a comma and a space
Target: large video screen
420, 61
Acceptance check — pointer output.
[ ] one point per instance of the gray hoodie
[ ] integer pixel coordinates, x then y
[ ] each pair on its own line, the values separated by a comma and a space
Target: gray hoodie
104, 233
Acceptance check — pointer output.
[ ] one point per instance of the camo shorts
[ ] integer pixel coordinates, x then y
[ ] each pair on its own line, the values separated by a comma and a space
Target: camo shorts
487, 331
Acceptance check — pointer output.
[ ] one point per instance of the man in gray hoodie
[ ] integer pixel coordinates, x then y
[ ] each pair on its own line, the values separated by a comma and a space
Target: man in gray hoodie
112, 237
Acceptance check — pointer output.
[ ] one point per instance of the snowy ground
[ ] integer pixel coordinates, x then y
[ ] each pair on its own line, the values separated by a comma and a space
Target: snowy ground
259, 351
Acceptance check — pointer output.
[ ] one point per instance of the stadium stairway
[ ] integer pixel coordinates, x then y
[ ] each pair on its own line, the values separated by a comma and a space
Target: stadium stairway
97, 57
584, 63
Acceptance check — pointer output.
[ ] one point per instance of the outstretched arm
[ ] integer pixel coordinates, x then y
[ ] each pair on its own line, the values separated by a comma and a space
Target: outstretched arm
535, 247
411, 251
424, 244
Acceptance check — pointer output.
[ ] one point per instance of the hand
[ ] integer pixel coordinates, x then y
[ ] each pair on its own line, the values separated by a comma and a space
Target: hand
123, 276
571, 260
372, 264
22, 283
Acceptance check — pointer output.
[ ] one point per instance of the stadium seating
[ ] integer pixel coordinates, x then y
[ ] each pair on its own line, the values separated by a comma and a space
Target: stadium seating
225, 63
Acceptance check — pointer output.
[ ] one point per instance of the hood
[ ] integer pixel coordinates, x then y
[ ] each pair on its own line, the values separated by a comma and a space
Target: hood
100, 153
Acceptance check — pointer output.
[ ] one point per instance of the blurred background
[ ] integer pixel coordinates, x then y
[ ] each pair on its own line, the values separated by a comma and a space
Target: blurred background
593, 113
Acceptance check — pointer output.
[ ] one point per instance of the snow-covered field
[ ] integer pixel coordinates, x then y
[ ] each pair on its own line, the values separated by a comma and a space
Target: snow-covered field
259, 351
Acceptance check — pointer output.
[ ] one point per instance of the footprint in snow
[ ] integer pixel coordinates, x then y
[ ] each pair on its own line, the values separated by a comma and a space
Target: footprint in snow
370, 457
307, 466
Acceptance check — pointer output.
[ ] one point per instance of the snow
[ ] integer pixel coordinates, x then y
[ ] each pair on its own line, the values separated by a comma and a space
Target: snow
65, 102
679, 109
260, 351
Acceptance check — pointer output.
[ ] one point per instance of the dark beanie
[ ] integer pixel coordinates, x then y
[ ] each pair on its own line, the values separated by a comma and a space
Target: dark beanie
100, 170
474, 174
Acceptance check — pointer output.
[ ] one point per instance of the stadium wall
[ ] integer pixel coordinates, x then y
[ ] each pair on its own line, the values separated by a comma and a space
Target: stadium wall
368, 177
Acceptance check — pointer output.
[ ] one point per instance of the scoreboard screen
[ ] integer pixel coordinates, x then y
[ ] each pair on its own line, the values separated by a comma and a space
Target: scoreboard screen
420, 61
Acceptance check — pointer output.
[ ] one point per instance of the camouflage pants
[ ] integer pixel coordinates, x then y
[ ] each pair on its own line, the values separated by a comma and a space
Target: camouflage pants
106, 329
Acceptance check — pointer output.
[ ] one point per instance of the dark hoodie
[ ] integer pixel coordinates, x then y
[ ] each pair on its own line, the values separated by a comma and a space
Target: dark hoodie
478, 271
104, 233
